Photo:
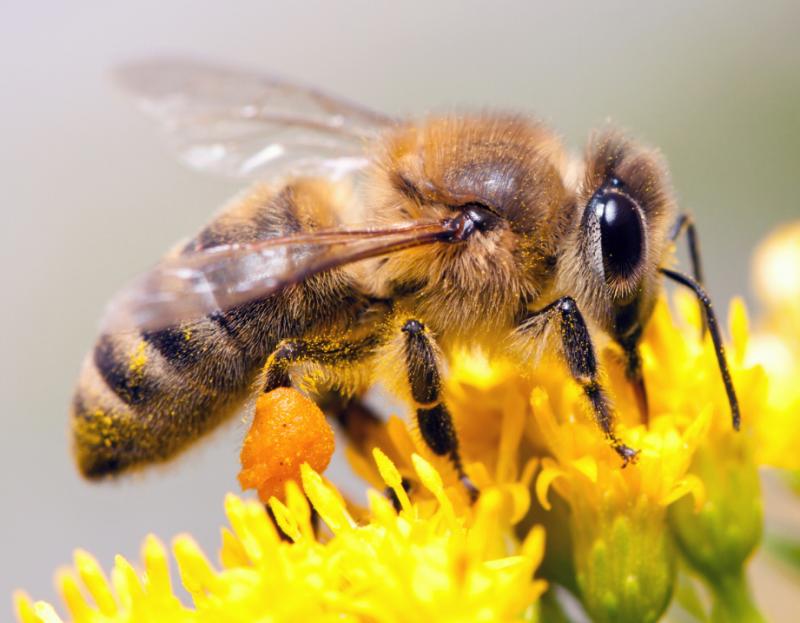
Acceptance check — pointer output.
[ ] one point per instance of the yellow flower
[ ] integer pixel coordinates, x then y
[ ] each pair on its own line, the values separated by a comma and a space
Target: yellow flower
776, 265
719, 537
775, 345
489, 407
416, 564
623, 554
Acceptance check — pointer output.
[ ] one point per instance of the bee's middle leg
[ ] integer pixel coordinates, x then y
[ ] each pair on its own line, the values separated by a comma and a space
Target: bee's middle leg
433, 419
354, 417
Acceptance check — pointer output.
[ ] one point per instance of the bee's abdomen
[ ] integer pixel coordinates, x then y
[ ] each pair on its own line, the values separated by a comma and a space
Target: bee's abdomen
143, 396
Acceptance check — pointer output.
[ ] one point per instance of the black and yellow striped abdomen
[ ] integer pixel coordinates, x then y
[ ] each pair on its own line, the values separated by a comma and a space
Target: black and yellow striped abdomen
144, 395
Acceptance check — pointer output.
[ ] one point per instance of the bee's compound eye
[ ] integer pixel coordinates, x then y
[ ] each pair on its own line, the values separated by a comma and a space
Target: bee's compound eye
621, 232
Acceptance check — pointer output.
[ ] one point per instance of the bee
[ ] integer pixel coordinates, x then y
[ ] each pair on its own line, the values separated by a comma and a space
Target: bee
373, 247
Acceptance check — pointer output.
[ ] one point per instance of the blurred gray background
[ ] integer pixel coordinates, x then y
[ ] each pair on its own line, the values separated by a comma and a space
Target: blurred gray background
91, 195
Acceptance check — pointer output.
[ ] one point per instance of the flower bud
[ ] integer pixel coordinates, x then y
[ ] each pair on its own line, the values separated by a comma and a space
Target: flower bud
719, 539
624, 561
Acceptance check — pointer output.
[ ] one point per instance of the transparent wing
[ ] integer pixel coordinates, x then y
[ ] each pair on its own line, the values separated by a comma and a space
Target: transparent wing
192, 285
246, 125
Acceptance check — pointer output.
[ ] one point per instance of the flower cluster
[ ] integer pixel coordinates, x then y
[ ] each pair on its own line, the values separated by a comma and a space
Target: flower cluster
408, 565
620, 539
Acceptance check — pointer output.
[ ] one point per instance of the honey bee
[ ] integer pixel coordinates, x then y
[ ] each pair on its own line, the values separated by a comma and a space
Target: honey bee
373, 247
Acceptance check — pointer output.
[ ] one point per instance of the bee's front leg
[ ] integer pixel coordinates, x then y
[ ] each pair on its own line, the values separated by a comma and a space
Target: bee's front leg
578, 350
433, 418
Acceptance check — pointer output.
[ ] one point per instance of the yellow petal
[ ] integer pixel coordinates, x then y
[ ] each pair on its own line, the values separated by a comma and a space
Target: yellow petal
95, 581
23, 608
255, 546
297, 503
546, 477
586, 465
156, 566
739, 327
432, 481
689, 484
484, 529
326, 502
511, 427
528, 471
391, 477
197, 574
72, 596
775, 263
688, 309
698, 429
520, 500
381, 510
284, 519
126, 582
46, 613
479, 475
232, 553
533, 545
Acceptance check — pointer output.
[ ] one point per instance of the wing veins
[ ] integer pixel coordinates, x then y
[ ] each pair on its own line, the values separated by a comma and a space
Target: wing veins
187, 287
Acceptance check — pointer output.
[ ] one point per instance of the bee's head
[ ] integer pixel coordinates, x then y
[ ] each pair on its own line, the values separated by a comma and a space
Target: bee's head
618, 236
499, 177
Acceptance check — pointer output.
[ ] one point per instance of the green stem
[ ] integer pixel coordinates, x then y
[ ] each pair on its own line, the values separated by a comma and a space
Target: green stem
733, 601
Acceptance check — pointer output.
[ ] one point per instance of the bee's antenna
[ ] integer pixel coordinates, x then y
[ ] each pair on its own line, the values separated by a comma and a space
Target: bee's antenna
685, 223
713, 328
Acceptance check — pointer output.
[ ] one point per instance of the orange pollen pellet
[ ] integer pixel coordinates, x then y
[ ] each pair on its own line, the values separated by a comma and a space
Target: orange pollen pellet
288, 430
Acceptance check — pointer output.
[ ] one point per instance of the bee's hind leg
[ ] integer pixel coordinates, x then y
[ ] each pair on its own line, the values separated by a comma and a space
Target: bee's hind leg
433, 418
578, 350
315, 350
326, 352
355, 418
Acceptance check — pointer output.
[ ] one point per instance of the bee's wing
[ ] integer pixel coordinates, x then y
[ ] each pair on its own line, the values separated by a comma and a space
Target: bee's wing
246, 125
192, 285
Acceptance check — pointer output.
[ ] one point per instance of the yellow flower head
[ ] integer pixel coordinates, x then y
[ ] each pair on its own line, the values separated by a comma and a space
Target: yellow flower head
415, 564
510, 424
775, 345
777, 275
